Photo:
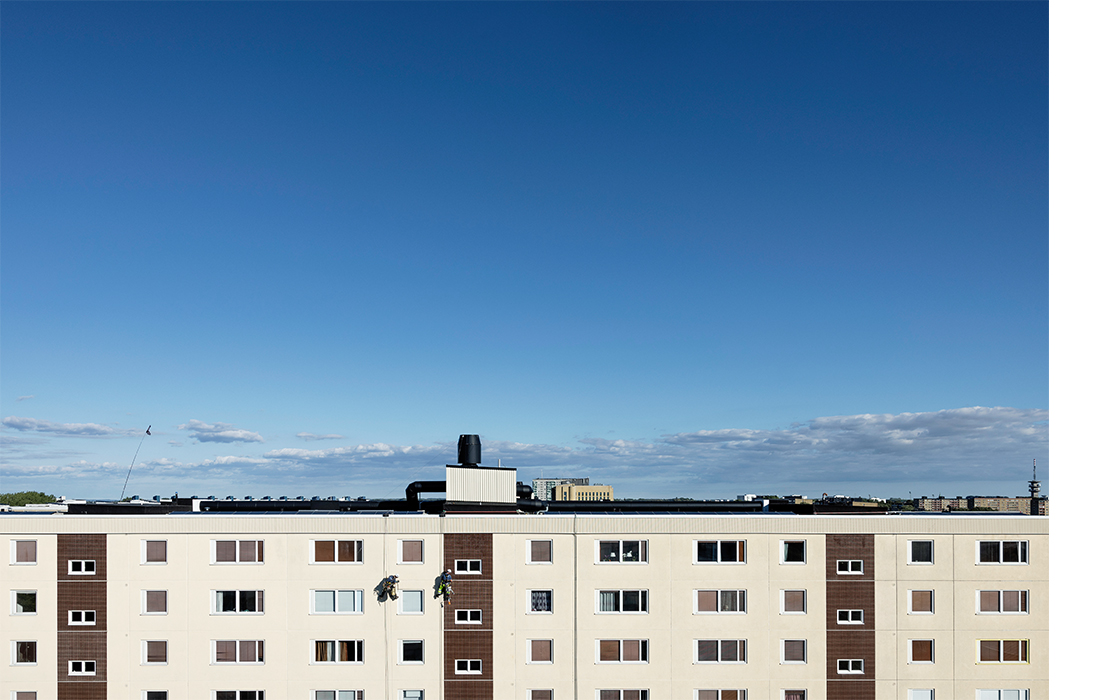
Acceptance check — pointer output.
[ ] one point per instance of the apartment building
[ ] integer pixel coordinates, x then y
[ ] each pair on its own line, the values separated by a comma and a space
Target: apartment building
550, 605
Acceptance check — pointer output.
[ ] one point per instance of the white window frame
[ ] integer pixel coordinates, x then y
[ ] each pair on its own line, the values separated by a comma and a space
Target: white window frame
531, 561
1000, 601
804, 553
911, 562
145, 652
643, 693
1001, 662
357, 694
530, 601
261, 556
400, 559
360, 648
804, 650
146, 696
83, 618
14, 547
850, 616
260, 602
1025, 550
531, 691
933, 645
406, 595
742, 548
259, 693
423, 652
359, 597
921, 612
402, 694
15, 600
83, 668
145, 553
850, 572
468, 621
145, 601
850, 667
642, 599
530, 652
741, 693
469, 667
643, 550
643, 650
468, 572
360, 552
741, 596
782, 601
924, 694
742, 644
83, 567
15, 652
214, 653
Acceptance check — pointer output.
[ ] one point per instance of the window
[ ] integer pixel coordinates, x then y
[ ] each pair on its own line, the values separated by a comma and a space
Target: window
81, 617
81, 567
921, 602
467, 666
921, 552
921, 694
467, 566
793, 603
238, 602
921, 651
238, 695
540, 651
28, 695
338, 651
338, 602
849, 666
849, 617
849, 566
540, 601
412, 603
793, 651
154, 552
24, 602
1020, 694
721, 651
155, 652
540, 695
793, 552
24, 652
232, 651
623, 551
628, 601
337, 695
793, 694
730, 694
1004, 602
155, 695
729, 601
720, 551
337, 552
154, 602
467, 617
1004, 651
997, 552
622, 695
237, 551
81, 668
623, 651
539, 552
412, 651
414, 695
24, 551
412, 551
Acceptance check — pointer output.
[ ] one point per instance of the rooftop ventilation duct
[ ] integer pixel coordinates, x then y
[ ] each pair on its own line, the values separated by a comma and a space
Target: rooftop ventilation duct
469, 450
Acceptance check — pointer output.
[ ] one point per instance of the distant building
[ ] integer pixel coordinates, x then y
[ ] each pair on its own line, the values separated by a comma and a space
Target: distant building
580, 492
543, 488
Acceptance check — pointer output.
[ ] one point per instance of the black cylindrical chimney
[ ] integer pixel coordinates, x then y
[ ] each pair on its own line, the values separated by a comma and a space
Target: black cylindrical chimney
469, 450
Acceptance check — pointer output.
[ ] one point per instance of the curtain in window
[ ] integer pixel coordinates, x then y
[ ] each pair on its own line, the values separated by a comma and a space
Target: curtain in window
225, 652
540, 551
324, 550
325, 651
156, 551
540, 601
608, 601
225, 550
347, 550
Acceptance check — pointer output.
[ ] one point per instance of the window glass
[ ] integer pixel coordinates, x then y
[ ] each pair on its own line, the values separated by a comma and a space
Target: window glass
922, 601
541, 601
921, 551
412, 552
541, 551
923, 650
26, 551
412, 601
156, 552
26, 602
156, 601
793, 552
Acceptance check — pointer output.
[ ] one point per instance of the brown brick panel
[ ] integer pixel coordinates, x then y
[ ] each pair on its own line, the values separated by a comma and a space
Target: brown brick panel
474, 644
81, 595
82, 547
851, 645
849, 595
849, 547
82, 691
81, 646
851, 690
473, 595
467, 690
468, 546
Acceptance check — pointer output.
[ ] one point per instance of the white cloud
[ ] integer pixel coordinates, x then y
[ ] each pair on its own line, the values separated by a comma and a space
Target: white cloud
64, 429
25, 398
309, 437
218, 432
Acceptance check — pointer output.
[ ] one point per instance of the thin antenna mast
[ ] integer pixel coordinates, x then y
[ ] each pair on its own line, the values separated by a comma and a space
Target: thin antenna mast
133, 461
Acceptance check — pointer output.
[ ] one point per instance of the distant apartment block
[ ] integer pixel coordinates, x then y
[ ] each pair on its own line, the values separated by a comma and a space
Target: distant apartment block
1002, 504
577, 492
544, 488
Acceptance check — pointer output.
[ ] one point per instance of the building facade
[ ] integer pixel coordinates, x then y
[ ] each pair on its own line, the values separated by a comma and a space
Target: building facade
581, 606
577, 492
543, 488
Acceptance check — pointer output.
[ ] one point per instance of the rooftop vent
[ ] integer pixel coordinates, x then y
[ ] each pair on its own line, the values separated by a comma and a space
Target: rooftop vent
469, 450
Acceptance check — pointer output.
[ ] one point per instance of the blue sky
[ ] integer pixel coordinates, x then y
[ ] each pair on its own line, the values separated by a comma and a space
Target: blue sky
687, 249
